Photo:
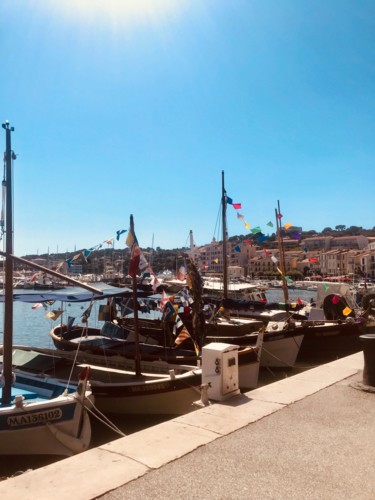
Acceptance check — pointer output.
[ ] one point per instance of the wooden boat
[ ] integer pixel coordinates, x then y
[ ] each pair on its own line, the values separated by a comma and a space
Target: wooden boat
160, 389
37, 416
105, 346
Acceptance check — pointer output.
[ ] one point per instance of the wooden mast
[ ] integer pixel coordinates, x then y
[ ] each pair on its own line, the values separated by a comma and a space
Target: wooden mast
134, 247
224, 223
281, 253
8, 310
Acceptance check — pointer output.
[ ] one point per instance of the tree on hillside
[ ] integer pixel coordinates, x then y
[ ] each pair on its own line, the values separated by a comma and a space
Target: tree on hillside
340, 227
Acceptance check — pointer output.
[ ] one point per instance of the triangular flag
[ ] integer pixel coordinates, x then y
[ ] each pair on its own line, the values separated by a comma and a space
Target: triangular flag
183, 335
256, 230
269, 224
247, 225
240, 216
229, 200
287, 225
237, 206
326, 287
237, 248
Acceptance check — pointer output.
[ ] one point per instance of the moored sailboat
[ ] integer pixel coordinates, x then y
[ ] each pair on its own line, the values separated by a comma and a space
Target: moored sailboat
36, 416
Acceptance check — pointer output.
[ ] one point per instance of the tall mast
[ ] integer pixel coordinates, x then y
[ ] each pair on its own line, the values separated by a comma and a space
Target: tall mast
135, 300
8, 311
224, 223
281, 253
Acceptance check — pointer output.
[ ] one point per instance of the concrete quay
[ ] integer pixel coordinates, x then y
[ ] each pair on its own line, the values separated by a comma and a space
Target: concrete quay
309, 436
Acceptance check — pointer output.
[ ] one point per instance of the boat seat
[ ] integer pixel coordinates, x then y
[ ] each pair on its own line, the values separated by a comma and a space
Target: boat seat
112, 331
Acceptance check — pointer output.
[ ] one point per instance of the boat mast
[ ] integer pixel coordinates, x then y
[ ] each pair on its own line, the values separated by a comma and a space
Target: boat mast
224, 223
8, 310
281, 253
137, 359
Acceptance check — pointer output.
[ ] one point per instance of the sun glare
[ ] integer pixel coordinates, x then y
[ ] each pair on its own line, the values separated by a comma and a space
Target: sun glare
117, 11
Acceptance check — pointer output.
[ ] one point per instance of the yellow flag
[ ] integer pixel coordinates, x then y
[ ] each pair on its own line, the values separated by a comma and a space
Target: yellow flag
347, 311
247, 225
54, 314
287, 225
280, 271
129, 239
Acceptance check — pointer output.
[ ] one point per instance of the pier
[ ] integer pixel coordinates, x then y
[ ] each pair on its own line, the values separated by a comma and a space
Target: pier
307, 436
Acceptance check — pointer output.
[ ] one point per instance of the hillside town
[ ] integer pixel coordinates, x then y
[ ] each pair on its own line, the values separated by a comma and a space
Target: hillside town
334, 257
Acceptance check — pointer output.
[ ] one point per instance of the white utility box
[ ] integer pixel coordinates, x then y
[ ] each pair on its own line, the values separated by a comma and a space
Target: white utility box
220, 370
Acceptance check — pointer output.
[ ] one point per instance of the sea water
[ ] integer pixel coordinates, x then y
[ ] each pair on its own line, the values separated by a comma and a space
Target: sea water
31, 327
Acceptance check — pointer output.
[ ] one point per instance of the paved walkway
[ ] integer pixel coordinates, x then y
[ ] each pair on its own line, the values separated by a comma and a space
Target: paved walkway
310, 436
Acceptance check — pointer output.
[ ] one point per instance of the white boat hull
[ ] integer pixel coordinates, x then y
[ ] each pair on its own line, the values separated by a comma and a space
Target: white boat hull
281, 352
37, 423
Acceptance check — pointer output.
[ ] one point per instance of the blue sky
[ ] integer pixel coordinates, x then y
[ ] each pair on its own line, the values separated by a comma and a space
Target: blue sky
124, 107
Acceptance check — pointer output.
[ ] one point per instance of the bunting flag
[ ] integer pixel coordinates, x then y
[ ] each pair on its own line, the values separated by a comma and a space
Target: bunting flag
237, 206
269, 224
279, 270
326, 287
262, 238
256, 230
69, 323
109, 242
313, 259
216, 261
274, 259
296, 236
347, 311
183, 335
85, 316
54, 314
135, 258
143, 263
229, 200
247, 225
287, 225
169, 311
288, 280
266, 252
237, 248
279, 216
178, 324
300, 302
119, 233
164, 299
240, 216
36, 306
185, 297
248, 242
129, 239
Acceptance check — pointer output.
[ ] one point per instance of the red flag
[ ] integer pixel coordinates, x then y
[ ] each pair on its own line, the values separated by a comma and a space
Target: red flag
266, 252
248, 242
313, 259
300, 302
135, 257
237, 206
